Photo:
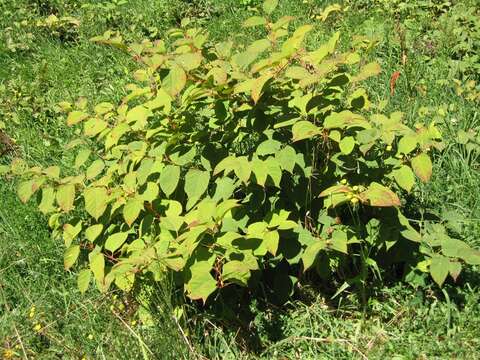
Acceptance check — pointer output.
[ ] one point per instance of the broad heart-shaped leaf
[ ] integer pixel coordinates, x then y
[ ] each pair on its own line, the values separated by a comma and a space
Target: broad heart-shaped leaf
422, 166
286, 158
404, 177
196, 183
258, 85
82, 157
269, 6
115, 241
93, 232
138, 115
189, 61
83, 280
95, 169
26, 189
407, 144
175, 81
439, 268
237, 272
347, 144
304, 130
254, 21
48, 197
75, 117
71, 256
95, 201
311, 252
66, 196
380, 196
455, 268
132, 209
70, 232
97, 265
201, 283
169, 178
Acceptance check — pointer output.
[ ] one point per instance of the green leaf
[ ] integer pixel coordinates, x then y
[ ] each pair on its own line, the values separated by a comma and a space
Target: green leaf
138, 115
311, 253
75, 117
71, 256
367, 71
407, 144
258, 85
26, 189
347, 144
243, 169
97, 265
286, 158
151, 192
132, 209
380, 196
93, 232
95, 201
269, 6
255, 21
189, 61
404, 177
66, 196
196, 183
271, 240
439, 268
175, 81
115, 241
71, 232
422, 166
48, 198
82, 157
83, 280
268, 147
94, 127
103, 108
95, 169
455, 269
236, 271
304, 130
201, 284
169, 178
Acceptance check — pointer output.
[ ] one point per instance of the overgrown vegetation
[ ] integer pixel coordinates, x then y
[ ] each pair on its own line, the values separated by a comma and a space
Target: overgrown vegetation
243, 163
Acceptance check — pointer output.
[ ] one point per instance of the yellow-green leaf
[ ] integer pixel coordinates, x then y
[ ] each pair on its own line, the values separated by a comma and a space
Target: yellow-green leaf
304, 130
66, 196
71, 256
95, 201
422, 166
169, 178
83, 280
404, 177
115, 241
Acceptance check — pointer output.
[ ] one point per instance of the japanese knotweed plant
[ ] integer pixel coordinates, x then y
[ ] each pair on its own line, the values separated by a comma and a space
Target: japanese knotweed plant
225, 161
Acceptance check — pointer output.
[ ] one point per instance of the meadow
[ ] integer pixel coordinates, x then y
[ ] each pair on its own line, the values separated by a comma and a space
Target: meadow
429, 54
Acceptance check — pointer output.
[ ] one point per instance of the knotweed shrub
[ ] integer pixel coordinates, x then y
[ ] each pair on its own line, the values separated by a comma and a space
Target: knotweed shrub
225, 162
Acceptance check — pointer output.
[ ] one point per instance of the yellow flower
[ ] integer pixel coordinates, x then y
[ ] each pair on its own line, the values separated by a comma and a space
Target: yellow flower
90, 337
134, 322
37, 327
355, 188
8, 354
343, 181
354, 201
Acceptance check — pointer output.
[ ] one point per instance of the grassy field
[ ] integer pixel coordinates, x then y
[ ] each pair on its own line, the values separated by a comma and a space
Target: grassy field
43, 62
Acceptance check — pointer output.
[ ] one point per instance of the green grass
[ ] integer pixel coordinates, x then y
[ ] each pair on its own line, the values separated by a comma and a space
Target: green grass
400, 322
